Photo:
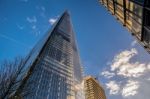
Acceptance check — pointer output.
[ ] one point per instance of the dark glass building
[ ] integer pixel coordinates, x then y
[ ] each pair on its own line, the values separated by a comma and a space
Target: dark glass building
135, 15
54, 62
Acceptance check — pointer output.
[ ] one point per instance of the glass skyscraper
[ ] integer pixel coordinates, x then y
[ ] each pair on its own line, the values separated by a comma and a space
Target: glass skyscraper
55, 68
135, 15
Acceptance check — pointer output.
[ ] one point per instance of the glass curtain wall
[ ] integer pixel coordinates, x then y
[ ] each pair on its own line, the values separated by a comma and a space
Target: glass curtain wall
135, 15
146, 29
54, 66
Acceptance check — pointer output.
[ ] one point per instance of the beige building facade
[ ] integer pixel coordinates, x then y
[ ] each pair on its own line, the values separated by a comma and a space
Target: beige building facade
93, 90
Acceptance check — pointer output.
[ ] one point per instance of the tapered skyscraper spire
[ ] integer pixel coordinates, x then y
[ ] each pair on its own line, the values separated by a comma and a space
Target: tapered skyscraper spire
55, 65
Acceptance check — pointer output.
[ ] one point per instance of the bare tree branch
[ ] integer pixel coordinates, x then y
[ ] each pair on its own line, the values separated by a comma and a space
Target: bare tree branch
11, 74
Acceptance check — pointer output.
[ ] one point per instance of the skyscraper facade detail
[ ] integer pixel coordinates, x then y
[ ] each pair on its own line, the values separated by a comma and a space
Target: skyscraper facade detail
135, 15
55, 64
93, 90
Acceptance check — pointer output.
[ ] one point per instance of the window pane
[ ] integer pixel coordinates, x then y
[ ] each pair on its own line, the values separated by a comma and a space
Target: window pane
105, 3
120, 2
146, 36
136, 9
119, 13
110, 6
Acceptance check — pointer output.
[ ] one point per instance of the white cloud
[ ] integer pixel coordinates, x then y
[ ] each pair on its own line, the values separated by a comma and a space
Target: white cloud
132, 72
113, 87
148, 79
131, 69
130, 88
108, 74
148, 66
32, 19
33, 25
52, 20
124, 67
122, 58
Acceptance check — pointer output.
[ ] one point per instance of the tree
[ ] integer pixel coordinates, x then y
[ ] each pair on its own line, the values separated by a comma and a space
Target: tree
11, 75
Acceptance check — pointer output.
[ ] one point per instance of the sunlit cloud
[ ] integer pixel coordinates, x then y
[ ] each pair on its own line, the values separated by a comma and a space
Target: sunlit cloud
148, 79
148, 66
33, 25
130, 71
113, 87
122, 65
131, 88
108, 74
52, 20
122, 58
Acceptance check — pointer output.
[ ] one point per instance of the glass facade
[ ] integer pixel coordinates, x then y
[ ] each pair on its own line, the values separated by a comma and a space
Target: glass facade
135, 15
146, 31
56, 67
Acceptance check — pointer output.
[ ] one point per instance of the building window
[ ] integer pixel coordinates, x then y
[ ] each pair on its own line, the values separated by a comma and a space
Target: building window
139, 1
148, 3
119, 10
134, 18
105, 3
110, 6
146, 32
146, 36
119, 2
147, 19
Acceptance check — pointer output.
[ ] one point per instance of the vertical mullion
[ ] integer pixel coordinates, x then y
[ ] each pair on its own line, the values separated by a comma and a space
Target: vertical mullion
102, 2
107, 4
143, 20
124, 11
114, 7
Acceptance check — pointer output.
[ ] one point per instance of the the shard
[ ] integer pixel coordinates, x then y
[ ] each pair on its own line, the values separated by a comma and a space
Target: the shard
55, 71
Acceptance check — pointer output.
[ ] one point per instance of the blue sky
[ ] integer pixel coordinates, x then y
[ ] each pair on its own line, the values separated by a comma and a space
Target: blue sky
100, 37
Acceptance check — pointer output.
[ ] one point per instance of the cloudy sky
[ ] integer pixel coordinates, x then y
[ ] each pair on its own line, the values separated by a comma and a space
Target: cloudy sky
107, 49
